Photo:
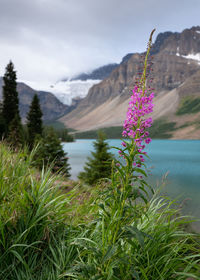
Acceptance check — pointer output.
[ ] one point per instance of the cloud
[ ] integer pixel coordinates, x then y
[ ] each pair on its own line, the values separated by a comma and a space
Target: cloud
51, 39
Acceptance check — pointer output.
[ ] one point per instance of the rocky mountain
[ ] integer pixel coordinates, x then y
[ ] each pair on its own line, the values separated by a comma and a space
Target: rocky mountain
176, 79
51, 107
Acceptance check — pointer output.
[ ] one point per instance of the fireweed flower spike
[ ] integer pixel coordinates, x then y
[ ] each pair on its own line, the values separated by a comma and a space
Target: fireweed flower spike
140, 105
135, 129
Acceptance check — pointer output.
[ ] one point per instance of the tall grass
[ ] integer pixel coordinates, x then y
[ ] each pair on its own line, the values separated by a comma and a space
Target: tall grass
32, 219
46, 233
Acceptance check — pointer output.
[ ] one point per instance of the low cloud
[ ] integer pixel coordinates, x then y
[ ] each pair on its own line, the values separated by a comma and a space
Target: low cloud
51, 39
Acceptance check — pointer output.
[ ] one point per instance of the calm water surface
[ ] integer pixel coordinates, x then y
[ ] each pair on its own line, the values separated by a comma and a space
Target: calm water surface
178, 159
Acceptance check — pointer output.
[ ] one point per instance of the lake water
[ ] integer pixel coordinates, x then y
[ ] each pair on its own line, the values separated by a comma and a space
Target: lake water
179, 159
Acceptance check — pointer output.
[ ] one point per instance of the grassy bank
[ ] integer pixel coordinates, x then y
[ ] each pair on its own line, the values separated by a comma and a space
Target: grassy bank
51, 229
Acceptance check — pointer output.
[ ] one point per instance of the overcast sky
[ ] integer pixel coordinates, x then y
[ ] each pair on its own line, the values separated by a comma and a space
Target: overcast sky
51, 39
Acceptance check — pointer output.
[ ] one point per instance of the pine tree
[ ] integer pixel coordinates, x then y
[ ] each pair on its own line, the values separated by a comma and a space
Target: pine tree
98, 166
10, 95
34, 121
50, 152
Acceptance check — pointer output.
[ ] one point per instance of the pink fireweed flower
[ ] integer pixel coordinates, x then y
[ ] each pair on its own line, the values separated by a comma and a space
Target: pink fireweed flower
136, 122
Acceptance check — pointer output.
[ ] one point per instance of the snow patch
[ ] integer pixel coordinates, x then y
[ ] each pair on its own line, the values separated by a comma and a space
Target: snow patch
195, 56
65, 91
192, 56
177, 51
198, 31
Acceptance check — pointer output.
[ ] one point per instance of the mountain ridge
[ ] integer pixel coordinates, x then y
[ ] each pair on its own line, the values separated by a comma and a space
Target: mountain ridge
175, 61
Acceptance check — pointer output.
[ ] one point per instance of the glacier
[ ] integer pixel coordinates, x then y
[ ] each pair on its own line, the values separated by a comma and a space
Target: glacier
65, 91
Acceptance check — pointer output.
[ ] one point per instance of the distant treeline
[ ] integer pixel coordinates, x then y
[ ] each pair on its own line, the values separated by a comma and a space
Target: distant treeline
61, 131
161, 129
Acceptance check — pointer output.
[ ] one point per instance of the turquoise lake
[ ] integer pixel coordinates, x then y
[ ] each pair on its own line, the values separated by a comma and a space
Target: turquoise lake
177, 160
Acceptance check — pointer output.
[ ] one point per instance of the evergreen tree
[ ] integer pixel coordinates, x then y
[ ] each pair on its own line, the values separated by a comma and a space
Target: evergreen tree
10, 95
2, 123
15, 133
99, 165
34, 120
50, 152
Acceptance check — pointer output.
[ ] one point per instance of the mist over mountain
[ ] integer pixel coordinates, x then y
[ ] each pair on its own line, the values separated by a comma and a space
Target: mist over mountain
100, 73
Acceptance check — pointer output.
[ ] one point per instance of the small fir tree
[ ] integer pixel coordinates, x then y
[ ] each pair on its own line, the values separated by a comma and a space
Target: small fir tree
10, 95
34, 121
15, 135
98, 165
51, 153
2, 122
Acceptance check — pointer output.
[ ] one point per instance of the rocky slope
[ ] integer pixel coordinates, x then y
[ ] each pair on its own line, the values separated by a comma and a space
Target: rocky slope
176, 76
51, 107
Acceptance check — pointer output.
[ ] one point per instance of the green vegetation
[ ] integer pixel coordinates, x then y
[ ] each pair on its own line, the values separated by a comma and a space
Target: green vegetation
189, 105
46, 233
110, 231
160, 129
11, 126
32, 213
2, 122
113, 132
62, 134
99, 165
10, 108
55, 124
15, 135
60, 129
34, 121
50, 153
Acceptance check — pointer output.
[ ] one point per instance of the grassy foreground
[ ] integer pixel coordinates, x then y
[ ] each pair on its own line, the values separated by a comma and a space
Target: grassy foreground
49, 233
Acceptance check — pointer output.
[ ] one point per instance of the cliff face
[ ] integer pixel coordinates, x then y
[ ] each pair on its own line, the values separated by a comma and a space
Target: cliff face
51, 107
176, 66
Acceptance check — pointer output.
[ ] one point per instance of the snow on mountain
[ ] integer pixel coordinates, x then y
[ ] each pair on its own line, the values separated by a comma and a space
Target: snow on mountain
65, 91
191, 56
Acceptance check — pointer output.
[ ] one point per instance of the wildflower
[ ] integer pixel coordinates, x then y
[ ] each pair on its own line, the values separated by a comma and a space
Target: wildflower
124, 144
148, 140
135, 124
